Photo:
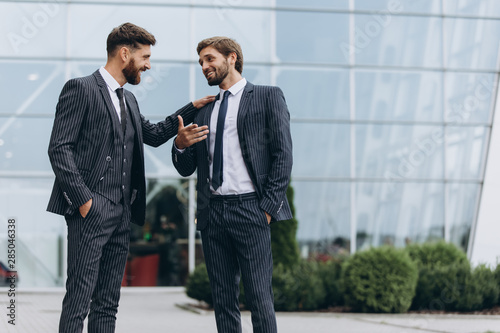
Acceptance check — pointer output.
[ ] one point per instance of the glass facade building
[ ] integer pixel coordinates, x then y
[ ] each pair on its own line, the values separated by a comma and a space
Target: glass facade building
391, 103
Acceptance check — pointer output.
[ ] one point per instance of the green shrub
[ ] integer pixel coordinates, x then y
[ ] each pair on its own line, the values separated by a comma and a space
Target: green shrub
198, 285
436, 254
298, 288
329, 273
434, 280
379, 280
497, 278
448, 288
487, 286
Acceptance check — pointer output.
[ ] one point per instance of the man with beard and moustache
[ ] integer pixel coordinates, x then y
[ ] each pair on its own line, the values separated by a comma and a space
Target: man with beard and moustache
97, 154
243, 172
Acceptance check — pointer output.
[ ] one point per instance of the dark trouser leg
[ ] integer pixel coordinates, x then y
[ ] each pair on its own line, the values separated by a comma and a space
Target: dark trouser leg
104, 305
251, 237
86, 239
223, 271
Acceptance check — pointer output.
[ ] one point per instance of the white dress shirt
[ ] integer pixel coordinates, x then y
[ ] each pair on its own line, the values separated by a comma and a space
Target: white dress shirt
235, 177
112, 86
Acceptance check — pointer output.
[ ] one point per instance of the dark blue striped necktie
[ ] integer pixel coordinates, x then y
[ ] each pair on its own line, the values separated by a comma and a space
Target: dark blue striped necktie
218, 160
123, 113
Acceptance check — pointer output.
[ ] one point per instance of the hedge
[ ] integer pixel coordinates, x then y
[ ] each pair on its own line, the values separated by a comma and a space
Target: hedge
379, 280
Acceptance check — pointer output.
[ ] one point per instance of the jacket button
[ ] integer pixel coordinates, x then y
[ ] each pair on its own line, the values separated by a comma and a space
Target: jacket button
108, 158
208, 180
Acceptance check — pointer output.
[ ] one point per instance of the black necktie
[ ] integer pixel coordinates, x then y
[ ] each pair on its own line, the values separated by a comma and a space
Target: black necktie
123, 113
218, 161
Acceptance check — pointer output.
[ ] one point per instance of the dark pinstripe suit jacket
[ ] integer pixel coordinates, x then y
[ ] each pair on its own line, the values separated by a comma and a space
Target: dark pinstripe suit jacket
264, 134
82, 143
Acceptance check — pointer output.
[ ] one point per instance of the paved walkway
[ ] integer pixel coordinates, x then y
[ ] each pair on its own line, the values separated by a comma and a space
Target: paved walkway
154, 310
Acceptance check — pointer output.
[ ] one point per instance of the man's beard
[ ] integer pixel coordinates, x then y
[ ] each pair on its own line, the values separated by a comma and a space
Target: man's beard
131, 73
219, 75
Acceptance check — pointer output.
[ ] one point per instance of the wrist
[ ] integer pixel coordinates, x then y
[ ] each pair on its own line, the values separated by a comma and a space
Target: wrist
177, 145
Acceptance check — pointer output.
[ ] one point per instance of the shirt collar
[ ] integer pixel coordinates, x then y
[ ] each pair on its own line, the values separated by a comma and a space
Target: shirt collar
236, 88
109, 79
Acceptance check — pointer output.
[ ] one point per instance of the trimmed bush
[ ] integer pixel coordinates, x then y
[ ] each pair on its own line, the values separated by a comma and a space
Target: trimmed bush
329, 273
497, 278
487, 286
437, 254
298, 288
198, 285
379, 280
443, 273
455, 288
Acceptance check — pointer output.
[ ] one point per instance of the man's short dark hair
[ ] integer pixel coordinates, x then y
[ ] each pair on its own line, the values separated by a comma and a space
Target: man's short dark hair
129, 35
225, 46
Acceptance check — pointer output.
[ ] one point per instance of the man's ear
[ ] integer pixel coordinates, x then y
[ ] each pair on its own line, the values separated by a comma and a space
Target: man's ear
124, 53
232, 58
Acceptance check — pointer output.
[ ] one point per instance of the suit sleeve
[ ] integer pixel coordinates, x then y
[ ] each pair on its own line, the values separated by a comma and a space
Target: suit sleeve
157, 134
70, 116
280, 153
184, 161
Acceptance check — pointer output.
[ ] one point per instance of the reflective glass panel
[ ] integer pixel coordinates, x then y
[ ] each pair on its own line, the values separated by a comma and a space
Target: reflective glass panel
40, 236
250, 28
313, 4
32, 29
228, 5
158, 252
169, 25
399, 152
483, 8
398, 40
315, 93
390, 95
398, 6
158, 161
469, 97
398, 213
462, 206
313, 42
24, 143
323, 214
35, 84
320, 150
472, 44
465, 152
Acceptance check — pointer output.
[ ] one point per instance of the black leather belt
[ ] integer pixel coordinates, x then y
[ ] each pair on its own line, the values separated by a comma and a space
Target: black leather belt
234, 197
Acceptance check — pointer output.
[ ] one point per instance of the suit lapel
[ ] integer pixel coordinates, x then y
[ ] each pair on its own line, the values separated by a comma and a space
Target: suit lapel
103, 87
206, 120
134, 111
246, 99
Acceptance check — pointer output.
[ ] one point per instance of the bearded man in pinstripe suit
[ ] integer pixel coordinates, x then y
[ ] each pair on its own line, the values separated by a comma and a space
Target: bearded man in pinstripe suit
243, 173
97, 154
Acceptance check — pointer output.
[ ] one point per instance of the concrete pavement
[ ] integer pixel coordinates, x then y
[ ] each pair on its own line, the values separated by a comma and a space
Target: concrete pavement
154, 310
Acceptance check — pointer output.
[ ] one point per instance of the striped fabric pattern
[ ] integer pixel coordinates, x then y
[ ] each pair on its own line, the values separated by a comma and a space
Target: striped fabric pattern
238, 237
88, 154
97, 252
266, 143
235, 233
82, 142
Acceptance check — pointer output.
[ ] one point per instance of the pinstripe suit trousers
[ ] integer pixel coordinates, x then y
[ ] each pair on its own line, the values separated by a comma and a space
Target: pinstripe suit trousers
97, 253
238, 239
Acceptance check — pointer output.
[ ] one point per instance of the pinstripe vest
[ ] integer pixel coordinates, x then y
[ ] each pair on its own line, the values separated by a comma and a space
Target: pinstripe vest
116, 182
